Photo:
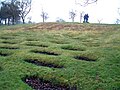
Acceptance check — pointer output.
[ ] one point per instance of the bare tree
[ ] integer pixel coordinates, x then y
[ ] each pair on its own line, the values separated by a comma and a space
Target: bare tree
99, 20
44, 15
85, 2
25, 7
118, 20
29, 19
81, 16
72, 15
60, 20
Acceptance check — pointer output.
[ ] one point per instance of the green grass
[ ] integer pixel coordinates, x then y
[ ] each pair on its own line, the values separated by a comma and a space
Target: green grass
100, 43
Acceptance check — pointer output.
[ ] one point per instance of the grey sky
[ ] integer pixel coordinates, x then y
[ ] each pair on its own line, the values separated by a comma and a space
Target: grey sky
103, 9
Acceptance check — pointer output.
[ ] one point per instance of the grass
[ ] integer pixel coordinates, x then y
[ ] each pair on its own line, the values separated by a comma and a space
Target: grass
90, 57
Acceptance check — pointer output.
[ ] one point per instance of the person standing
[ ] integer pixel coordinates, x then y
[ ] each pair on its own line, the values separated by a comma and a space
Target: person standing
86, 16
84, 19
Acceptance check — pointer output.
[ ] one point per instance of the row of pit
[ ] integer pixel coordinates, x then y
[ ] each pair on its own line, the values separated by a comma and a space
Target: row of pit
53, 41
84, 58
39, 83
45, 52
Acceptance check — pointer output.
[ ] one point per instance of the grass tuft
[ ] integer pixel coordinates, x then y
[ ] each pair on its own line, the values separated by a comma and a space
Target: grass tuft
45, 52
8, 47
5, 53
74, 48
41, 63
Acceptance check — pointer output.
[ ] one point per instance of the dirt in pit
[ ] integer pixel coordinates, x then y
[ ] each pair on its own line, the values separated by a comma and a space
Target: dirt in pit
40, 84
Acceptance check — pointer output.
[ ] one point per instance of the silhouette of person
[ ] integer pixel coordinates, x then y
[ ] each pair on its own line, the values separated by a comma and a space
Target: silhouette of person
86, 16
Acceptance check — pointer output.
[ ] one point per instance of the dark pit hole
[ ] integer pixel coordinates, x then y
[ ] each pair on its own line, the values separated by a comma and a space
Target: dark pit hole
1, 69
47, 53
37, 45
86, 41
84, 58
38, 63
92, 44
73, 49
59, 42
9, 42
40, 84
14, 48
7, 38
4, 54
15, 35
31, 40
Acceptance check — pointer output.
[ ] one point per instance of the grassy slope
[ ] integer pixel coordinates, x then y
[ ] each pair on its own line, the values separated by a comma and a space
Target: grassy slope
99, 43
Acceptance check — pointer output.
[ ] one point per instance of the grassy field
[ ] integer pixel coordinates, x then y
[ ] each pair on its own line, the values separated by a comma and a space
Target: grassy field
78, 56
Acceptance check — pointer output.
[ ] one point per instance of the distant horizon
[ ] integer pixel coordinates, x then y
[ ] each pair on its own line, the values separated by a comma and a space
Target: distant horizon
54, 10
105, 11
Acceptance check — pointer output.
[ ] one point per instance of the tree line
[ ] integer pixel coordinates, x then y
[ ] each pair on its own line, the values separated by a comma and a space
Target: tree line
12, 11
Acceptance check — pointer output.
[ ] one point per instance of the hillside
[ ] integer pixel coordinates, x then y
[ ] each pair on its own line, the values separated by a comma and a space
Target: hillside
61, 26
60, 56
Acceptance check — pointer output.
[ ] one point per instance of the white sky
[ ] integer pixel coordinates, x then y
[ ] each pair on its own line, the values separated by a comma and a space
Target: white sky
103, 9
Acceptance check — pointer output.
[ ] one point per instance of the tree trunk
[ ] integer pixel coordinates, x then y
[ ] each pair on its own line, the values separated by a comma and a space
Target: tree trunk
72, 19
43, 20
80, 17
0, 21
5, 22
8, 21
23, 20
13, 21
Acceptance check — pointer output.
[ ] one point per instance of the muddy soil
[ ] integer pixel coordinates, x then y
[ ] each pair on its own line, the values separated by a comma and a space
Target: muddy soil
84, 58
46, 52
40, 84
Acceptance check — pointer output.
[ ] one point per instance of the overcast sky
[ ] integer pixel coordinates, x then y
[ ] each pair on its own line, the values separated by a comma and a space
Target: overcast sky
105, 10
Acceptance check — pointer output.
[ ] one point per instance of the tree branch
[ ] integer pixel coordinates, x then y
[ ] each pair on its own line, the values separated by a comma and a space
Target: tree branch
84, 2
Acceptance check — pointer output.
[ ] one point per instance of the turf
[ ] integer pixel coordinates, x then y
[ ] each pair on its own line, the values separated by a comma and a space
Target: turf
84, 56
